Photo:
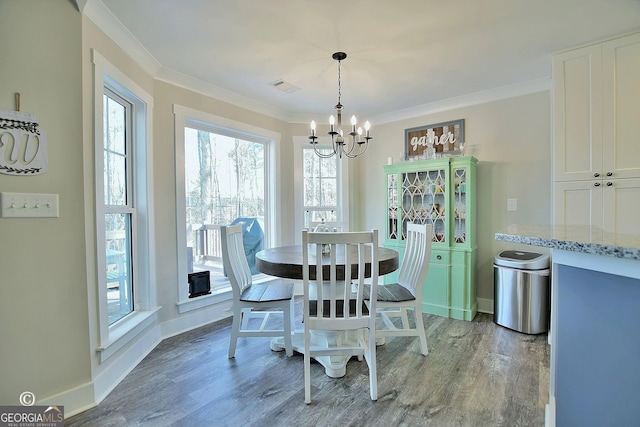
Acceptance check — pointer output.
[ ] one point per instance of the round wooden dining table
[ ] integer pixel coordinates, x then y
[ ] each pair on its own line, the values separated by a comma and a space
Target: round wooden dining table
286, 262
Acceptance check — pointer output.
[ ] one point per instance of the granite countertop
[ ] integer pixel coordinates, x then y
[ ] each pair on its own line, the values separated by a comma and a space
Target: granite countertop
578, 238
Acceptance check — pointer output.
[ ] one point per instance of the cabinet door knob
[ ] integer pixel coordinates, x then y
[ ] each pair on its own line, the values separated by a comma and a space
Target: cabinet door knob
609, 184
596, 184
439, 257
609, 173
597, 174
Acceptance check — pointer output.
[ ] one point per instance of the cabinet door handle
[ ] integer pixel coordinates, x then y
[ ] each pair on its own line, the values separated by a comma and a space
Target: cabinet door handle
609, 173
439, 257
609, 183
597, 174
596, 184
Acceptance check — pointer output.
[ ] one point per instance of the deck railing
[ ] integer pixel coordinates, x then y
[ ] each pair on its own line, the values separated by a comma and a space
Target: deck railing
208, 246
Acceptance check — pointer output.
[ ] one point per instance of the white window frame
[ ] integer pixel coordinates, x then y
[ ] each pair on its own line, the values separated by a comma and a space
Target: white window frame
112, 338
188, 117
342, 186
128, 208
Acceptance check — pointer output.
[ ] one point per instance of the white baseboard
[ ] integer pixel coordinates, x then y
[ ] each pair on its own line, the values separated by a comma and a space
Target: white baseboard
550, 413
75, 400
485, 305
112, 372
195, 319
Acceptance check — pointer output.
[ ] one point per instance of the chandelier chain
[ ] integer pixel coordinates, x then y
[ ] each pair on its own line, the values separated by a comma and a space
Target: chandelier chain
339, 82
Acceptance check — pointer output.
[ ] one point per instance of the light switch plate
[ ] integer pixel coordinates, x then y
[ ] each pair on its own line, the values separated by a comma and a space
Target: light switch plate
512, 204
28, 205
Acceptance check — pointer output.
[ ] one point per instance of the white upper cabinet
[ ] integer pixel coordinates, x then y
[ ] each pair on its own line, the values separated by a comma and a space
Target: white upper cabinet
577, 113
621, 107
596, 100
596, 135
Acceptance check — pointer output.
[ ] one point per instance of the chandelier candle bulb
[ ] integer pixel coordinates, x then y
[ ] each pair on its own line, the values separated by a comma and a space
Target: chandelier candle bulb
313, 128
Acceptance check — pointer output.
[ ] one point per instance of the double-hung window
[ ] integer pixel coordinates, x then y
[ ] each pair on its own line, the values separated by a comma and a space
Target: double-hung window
118, 204
125, 270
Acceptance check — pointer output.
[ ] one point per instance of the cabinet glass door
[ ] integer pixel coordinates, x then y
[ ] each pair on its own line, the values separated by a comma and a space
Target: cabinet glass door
424, 201
392, 204
460, 204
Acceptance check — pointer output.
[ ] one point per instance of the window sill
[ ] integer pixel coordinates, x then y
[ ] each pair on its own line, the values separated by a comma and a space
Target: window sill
125, 330
217, 296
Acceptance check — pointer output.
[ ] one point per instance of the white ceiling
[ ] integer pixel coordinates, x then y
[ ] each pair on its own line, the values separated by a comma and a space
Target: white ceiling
403, 55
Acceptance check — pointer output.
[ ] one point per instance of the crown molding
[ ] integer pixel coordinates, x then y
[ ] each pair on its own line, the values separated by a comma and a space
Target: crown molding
191, 83
102, 17
483, 97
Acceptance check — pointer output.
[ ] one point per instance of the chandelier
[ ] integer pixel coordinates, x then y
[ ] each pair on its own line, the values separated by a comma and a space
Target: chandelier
358, 142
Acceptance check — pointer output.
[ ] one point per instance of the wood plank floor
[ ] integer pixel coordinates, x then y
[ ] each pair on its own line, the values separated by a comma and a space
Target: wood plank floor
476, 374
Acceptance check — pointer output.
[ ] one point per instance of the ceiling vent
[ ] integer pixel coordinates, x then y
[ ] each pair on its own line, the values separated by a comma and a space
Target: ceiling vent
284, 86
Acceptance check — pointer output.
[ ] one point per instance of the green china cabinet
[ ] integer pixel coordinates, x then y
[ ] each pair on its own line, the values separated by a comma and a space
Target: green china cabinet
441, 192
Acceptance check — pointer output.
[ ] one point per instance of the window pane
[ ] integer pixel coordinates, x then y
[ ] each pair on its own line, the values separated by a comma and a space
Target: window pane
115, 155
115, 179
311, 163
118, 262
311, 191
224, 183
115, 125
329, 192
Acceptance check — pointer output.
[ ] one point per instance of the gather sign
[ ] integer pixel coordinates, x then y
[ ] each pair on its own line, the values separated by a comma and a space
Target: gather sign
23, 146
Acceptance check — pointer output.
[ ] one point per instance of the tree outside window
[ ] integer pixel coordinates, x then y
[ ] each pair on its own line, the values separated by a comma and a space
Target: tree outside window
224, 183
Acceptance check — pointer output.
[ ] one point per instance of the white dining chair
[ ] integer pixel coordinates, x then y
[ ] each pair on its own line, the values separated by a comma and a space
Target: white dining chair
397, 299
330, 303
254, 301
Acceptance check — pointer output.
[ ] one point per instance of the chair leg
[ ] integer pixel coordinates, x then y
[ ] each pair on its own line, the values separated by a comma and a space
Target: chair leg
370, 357
307, 370
288, 314
235, 329
421, 332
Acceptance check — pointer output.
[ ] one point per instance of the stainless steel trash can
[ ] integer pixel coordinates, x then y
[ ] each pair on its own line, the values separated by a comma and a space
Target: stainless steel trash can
521, 298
